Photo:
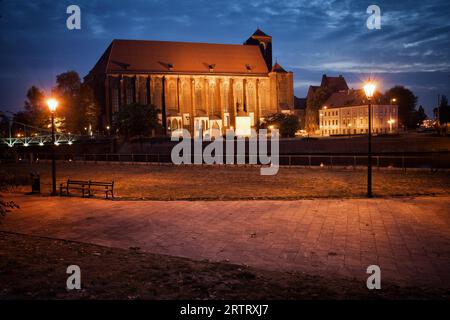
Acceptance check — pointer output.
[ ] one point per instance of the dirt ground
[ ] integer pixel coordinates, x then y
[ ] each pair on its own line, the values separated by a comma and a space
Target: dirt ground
35, 268
163, 182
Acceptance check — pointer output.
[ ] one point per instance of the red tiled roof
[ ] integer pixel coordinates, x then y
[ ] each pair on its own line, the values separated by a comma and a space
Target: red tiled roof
134, 56
313, 88
345, 98
334, 83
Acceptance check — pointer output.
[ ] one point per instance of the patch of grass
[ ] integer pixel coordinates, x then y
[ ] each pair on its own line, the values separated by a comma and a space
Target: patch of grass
153, 182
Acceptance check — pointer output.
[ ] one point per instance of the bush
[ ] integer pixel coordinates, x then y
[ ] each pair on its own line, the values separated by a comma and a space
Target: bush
6, 181
136, 120
288, 124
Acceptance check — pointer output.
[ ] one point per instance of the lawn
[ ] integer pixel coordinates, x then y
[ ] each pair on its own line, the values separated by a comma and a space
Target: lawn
35, 268
170, 182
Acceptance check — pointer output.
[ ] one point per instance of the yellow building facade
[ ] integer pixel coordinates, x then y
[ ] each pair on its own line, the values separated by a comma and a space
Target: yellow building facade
353, 120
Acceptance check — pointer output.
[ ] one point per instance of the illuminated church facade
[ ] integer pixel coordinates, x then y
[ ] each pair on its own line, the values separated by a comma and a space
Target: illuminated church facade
202, 87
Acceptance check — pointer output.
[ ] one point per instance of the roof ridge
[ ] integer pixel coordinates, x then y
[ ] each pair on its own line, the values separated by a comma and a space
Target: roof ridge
182, 42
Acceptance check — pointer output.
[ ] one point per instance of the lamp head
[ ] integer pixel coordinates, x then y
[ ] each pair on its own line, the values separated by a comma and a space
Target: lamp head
52, 104
369, 89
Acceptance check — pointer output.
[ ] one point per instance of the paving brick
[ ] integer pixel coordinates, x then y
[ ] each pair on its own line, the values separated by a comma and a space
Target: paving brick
408, 238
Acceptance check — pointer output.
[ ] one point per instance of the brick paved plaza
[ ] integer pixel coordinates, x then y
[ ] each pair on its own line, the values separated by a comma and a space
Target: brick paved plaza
409, 238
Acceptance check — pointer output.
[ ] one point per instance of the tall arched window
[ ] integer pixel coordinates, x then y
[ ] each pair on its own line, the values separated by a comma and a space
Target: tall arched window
172, 96
262, 90
251, 97
129, 89
213, 99
185, 101
199, 97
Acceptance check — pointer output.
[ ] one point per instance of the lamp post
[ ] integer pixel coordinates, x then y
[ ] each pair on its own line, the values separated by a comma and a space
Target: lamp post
52, 105
349, 125
369, 89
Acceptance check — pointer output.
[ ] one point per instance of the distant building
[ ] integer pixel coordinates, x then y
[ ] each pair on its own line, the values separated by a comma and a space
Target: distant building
346, 113
196, 86
299, 110
317, 95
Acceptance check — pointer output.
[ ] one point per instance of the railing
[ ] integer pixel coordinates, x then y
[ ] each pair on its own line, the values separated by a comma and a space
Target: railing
425, 160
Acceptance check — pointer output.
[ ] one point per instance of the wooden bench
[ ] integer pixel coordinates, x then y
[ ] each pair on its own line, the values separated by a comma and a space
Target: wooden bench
87, 188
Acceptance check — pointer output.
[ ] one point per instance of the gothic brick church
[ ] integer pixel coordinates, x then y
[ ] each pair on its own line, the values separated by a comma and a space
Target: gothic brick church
196, 86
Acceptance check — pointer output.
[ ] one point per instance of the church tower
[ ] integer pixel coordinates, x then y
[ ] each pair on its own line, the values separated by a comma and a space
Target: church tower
264, 42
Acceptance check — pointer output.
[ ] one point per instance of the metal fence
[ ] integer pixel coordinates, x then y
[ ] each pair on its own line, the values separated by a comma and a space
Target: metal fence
425, 160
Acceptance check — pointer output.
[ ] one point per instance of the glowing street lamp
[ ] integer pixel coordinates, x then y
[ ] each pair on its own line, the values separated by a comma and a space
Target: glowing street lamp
52, 105
390, 121
369, 89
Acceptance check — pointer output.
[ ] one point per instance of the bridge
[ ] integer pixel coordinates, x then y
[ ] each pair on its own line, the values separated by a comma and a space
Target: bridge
26, 135
41, 140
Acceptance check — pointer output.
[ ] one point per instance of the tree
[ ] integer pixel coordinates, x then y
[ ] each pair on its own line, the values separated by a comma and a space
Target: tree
136, 120
77, 108
420, 115
444, 111
67, 89
406, 101
88, 106
288, 124
35, 112
4, 125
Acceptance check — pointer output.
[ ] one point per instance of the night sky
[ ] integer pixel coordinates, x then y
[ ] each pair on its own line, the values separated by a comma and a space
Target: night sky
310, 38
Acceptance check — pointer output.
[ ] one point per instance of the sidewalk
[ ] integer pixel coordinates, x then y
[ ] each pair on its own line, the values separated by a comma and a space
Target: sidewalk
409, 238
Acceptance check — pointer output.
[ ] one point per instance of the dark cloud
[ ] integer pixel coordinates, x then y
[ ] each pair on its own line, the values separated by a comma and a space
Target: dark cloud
311, 37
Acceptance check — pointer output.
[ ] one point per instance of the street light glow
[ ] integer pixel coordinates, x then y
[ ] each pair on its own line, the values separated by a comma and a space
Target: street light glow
369, 89
52, 104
